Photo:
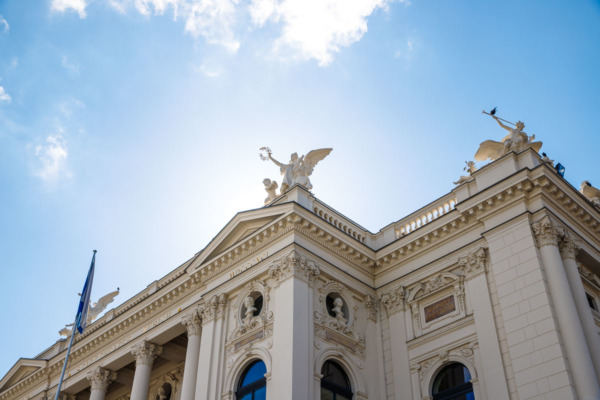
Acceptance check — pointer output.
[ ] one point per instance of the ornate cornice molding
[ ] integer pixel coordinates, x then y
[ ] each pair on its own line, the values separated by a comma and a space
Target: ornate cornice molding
569, 247
394, 300
193, 324
546, 232
294, 265
474, 263
145, 353
100, 378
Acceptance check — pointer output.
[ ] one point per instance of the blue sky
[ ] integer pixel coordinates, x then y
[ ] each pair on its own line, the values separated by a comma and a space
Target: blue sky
134, 127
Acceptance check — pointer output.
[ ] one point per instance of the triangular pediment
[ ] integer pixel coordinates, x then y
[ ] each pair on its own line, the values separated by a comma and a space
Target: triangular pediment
241, 227
21, 370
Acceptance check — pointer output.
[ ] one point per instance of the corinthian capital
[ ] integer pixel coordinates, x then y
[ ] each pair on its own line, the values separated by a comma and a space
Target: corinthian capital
145, 353
474, 263
193, 324
393, 300
100, 378
294, 265
569, 247
546, 232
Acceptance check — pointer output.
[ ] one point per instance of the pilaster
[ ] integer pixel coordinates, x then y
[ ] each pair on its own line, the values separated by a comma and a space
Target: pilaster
395, 305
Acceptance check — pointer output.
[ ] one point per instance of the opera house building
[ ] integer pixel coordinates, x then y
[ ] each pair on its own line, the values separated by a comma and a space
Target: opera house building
489, 292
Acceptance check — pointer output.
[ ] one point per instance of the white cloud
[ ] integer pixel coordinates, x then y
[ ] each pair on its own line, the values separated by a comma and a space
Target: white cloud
316, 29
64, 5
310, 29
69, 65
208, 71
4, 25
4, 96
53, 157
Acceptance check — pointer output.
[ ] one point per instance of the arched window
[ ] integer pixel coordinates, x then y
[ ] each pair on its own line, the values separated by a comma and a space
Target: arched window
453, 383
335, 384
253, 384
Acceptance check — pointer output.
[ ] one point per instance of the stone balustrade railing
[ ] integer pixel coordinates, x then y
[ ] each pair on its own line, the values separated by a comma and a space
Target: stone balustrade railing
340, 222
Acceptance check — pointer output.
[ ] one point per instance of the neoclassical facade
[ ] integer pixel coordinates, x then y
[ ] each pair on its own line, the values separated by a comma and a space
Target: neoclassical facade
490, 292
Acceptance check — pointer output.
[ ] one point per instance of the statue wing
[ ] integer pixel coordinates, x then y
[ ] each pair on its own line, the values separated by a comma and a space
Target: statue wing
536, 146
489, 149
313, 157
101, 305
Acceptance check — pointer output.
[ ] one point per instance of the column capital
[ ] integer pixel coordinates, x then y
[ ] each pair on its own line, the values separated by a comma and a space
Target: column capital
393, 300
569, 247
145, 353
100, 378
294, 265
193, 324
214, 308
474, 263
546, 232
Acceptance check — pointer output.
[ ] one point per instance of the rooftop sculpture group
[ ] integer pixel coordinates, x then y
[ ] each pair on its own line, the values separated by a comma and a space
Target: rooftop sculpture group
93, 311
295, 172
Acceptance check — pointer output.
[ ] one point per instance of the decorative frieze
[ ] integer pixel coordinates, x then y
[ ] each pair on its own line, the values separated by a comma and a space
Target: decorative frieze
569, 247
145, 353
474, 263
294, 265
546, 232
100, 378
393, 300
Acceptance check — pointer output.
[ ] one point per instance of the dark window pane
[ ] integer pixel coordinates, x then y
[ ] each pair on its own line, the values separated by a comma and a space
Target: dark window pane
247, 397
260, 394
255, 372
333, 373
326, 394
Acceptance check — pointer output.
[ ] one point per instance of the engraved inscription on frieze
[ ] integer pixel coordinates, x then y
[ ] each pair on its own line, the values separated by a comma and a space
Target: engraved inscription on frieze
258, 335
439, 308
344, 341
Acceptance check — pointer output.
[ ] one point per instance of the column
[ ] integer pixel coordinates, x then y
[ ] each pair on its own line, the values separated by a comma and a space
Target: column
374, 359
580, 361
99, 379
212, 347
144, 353
293, 374
492, 367
193, 324
396, 308
568, 250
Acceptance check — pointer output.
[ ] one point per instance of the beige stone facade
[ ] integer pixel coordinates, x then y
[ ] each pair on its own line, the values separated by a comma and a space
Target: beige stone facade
501, 275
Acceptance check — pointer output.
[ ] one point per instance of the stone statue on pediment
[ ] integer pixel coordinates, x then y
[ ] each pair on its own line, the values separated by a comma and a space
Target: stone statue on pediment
93, 311
516, 140
470, 168
298, 170
271, 188
590, 192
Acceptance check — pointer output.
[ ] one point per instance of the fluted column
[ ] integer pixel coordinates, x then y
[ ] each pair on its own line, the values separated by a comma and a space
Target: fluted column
395, 306
580, 361
569, 247
193, 323
99, 379
145, 353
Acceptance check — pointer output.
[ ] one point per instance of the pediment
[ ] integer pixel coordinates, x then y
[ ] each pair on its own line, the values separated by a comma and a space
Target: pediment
21, 370
242, 226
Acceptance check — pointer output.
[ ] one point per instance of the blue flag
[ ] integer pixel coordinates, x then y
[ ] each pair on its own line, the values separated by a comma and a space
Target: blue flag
84, 301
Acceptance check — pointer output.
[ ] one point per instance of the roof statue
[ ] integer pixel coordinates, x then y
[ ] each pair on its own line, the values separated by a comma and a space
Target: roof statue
298, 170
516, 141
270, 187
93, 311
590, 193
470, 167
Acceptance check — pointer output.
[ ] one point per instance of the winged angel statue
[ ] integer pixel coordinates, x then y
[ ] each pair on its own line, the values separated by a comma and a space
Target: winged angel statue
516, 141
93, 311
298, 170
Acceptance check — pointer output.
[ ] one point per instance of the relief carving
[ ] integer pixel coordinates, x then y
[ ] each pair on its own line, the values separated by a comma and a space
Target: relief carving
145, 353
393, 300
294, 265
569, 247
100, 378
546, 232
474, 263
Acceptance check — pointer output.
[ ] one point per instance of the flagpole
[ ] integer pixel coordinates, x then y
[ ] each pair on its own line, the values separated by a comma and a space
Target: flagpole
80, 318
66, 361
